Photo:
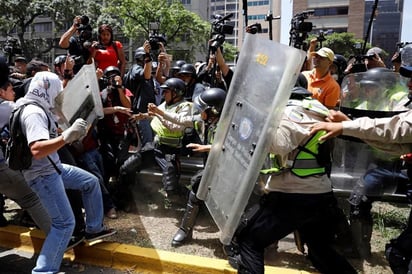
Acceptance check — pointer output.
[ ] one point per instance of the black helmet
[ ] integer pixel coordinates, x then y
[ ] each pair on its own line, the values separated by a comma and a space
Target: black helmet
139, 54
59, 60
300, 93
213, 98
175, 84
111, 70
188, 69
340, 62
178, 64
381, 76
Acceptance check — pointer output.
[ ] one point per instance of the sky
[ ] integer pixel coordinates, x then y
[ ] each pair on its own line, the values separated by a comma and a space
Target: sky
286, 16
406, 34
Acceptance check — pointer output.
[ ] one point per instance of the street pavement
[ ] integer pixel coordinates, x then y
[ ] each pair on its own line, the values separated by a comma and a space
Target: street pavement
17, 261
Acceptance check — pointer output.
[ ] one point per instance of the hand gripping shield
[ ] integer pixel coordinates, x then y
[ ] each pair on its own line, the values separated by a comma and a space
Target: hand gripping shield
261, 86
80, 99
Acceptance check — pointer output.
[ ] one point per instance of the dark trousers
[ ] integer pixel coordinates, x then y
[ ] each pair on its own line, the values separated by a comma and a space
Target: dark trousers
314, 215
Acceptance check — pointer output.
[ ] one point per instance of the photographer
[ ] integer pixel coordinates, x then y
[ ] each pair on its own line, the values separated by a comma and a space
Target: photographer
114, 130
106, 52
139, 80
77, 40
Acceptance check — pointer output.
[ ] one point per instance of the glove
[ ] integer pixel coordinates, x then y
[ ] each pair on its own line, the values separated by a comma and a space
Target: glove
75, 132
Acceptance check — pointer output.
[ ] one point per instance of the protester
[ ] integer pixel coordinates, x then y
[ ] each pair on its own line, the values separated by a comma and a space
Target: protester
48, 177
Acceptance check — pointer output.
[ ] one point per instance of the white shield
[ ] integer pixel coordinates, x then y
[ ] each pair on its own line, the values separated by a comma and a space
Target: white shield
80, 99
259, 91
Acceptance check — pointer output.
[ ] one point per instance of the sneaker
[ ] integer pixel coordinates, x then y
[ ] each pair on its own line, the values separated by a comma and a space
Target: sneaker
74, 241
90, 237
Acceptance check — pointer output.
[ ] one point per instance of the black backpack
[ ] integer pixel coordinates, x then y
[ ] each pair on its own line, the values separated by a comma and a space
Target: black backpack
18, 153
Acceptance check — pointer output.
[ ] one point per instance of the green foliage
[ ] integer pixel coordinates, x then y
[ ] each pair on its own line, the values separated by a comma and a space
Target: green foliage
185, 31
341, 43
18, 17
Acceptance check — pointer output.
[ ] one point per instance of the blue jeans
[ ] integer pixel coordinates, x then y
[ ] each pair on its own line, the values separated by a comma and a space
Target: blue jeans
51, 191
92, 161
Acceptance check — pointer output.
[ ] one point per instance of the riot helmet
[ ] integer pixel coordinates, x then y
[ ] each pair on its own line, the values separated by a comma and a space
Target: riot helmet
174, 84
187, 69
178, 64
59, 60
406, 57
139, 54
299, 93
340, 62
212, 98
111, 70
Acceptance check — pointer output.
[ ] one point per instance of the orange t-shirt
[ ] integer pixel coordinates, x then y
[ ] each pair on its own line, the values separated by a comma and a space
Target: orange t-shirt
326, 90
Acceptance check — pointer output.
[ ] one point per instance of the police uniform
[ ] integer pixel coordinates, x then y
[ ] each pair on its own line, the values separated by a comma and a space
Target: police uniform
299, 196
211, 103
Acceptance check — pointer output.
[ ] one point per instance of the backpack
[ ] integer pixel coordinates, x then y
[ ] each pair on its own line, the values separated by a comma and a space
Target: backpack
18, 153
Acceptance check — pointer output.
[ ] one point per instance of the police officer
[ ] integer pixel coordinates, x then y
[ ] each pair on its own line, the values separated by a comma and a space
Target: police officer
168, 121
384, 95
299, 197
389, 134
188, 74
210, 104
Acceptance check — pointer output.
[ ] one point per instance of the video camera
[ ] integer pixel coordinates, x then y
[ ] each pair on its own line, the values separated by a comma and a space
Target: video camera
155, 38
219, 31
359, 64
11, 47
254, 28
84, 28
299, 29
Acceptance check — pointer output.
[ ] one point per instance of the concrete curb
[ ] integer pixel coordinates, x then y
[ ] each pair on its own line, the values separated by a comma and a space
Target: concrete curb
121, 256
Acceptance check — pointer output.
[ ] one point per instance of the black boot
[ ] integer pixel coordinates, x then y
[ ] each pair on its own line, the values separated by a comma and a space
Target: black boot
361, 228
188, 221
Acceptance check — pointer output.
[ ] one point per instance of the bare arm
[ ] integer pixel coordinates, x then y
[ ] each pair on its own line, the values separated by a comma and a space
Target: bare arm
42, 148
65, 38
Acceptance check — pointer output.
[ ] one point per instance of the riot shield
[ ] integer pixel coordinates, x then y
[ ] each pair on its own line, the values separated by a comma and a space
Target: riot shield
265, 73
80, 99
375, 93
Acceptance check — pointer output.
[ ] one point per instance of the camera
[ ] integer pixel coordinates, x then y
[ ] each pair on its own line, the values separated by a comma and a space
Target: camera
219, 30
299, 29
155, 40
84, 28
12, 46
254, 28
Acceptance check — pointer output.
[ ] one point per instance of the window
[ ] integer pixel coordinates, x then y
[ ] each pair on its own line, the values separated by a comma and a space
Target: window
43, 27
186, 2
331, 11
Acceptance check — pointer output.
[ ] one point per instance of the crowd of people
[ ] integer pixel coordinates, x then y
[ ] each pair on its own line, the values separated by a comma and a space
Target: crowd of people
158, 110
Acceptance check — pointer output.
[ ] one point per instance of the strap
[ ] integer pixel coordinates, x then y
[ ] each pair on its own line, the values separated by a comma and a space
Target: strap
48, 126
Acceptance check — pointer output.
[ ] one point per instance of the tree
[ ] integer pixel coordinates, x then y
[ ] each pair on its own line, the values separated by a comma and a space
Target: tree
342, 43
18, 16
184, 31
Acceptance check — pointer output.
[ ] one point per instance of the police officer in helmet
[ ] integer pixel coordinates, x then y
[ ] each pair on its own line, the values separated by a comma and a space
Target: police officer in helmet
210, 104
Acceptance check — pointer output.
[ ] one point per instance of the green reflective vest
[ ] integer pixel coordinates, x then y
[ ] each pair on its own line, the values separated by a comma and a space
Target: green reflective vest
305, 163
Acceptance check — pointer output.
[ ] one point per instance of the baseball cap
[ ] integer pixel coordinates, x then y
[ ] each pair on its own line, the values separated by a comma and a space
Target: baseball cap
406, 65
325, 52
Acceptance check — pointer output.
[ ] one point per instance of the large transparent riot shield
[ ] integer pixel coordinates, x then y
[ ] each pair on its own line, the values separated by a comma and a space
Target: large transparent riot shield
80, 99
264, 75
375, 93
